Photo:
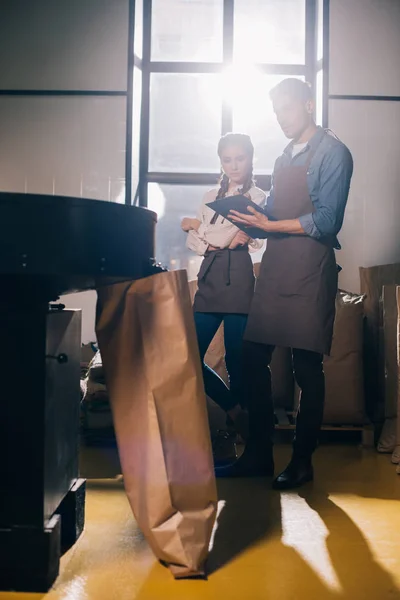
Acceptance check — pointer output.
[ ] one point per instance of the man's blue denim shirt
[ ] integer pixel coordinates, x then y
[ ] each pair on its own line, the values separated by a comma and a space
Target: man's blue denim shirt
328, 177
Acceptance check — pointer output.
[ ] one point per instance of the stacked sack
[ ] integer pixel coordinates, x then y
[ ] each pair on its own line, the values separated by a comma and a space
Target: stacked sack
389, 441
96, 422
344, 372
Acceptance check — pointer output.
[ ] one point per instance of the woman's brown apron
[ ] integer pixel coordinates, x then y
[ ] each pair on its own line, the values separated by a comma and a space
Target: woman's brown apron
225, 282
294, 300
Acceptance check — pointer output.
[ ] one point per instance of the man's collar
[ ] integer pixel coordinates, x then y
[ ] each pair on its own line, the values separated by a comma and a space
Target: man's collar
311, 144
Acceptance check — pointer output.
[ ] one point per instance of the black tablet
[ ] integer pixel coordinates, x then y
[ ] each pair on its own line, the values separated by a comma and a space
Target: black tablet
223, 206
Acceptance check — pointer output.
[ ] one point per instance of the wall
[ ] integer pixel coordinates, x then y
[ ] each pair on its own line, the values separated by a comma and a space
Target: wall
364, 61
75, 145
55, 143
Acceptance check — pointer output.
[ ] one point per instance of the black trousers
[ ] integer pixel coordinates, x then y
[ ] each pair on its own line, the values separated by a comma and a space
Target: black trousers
207, 325
309, 374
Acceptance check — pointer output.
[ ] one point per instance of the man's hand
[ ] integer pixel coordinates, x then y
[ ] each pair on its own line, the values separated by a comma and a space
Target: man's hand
240, 239
188, 224
255, 219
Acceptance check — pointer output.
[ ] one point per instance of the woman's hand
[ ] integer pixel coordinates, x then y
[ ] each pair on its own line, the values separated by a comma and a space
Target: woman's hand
255, 219
188, 224
240, 239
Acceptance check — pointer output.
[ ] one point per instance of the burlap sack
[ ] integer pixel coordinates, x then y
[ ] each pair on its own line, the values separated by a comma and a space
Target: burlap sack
372, 280
344, 371
96, 418
344, 375
396, 452
147, 341
387, 441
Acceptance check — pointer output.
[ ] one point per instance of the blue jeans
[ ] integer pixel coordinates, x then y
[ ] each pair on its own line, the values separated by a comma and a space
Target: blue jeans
207, 325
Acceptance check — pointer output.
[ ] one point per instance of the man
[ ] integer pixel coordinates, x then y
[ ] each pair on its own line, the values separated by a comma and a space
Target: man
294, 302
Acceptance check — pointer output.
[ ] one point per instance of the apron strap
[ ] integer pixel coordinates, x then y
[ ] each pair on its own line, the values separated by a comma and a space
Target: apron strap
227, 269
311, 154
206, 265
214, 218
209, 259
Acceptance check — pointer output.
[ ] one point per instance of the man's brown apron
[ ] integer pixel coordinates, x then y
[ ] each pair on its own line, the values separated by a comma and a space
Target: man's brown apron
294, 300
225, 282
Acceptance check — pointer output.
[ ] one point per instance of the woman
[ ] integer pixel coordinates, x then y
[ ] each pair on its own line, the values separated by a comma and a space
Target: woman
226, 277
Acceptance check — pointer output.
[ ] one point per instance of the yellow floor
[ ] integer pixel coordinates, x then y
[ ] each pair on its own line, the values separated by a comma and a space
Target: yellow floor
338, 538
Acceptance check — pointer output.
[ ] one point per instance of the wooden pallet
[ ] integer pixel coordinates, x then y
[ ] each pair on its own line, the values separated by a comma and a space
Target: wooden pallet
285, 420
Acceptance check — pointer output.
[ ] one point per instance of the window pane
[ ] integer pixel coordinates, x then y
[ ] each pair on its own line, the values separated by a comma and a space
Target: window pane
253, 114
320, 29
187, 30
185, 122
138, 40
172, 203
137, 103
270, 31
319, 98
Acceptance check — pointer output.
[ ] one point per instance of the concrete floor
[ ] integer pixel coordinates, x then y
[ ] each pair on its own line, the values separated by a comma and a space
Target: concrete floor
338, 538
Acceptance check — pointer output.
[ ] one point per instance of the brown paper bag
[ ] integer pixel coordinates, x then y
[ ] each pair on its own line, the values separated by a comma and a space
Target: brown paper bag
387, 440
396, 453
390, 349
372, 280
344, 373
147, 340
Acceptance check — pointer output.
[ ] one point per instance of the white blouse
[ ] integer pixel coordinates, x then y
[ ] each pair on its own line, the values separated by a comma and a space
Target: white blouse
221, 233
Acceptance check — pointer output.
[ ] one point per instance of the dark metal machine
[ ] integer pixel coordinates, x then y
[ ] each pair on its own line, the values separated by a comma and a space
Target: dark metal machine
50, 245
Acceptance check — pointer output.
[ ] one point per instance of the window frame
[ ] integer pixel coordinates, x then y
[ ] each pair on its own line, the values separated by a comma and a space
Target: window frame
138, 196
308, 70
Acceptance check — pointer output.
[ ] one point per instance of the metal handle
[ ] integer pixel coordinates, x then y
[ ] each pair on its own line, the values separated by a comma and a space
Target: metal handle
60, 358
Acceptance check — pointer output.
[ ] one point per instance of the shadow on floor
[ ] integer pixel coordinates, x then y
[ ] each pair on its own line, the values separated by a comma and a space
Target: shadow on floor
250, 512
253, 514
358, 572
250, 552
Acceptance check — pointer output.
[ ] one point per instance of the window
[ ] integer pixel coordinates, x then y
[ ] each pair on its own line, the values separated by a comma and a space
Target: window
172, 203
319, 97
270, 31
187, 30
320, 30
253, 114
138, 39
185, 122
137, 105
208, 67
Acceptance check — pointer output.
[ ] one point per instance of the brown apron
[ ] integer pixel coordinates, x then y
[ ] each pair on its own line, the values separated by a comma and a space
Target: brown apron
294, 300
225, 282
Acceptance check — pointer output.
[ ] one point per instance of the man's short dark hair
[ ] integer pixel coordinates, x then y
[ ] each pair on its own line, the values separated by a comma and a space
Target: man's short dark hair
294, 88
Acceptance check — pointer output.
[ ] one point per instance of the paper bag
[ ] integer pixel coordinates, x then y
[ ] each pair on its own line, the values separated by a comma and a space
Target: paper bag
396, 453
387, 441
147, 340
372, 280
344, 372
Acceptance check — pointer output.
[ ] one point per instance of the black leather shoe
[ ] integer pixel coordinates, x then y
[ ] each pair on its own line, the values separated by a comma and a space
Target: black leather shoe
250, 464
298, 472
